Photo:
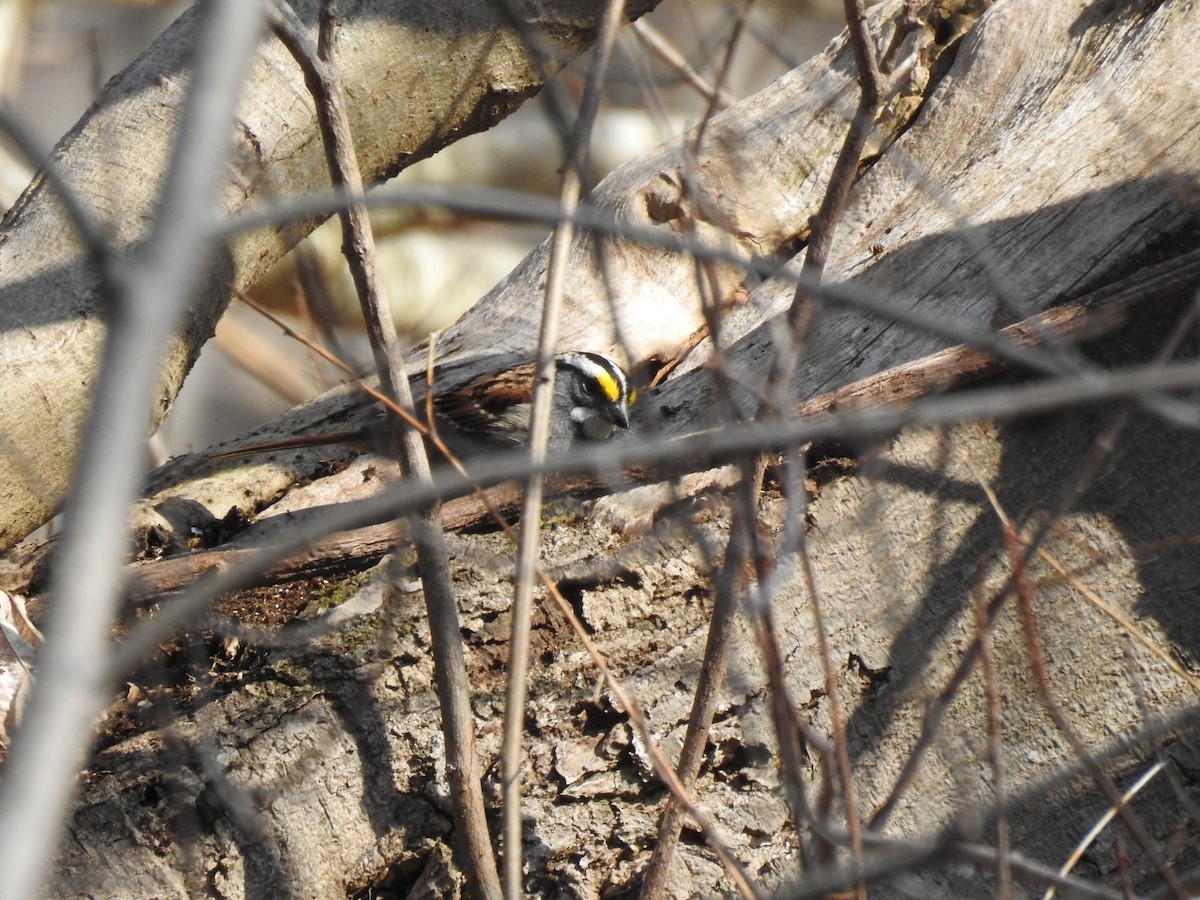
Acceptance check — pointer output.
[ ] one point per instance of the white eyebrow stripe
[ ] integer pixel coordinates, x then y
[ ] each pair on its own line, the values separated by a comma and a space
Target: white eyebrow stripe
599, 368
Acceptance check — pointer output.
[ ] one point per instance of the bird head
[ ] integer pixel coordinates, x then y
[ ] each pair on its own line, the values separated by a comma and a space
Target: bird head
597, 390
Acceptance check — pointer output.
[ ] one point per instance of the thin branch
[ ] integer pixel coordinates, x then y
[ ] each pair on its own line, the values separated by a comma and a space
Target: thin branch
1123, 621
836, 717
262, 360
669, 457
662, 767
995, 746
737, 551
845, 170
87, 583
1083, 476
1094, 832
337, 362
1163, 280
894, 857
89, 230
1037, 667
667, 53
539, 434
729, 583
913, 854
731, 44
462, 762
799, 318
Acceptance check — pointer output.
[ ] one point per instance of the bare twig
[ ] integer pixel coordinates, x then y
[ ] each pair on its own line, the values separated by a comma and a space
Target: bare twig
315, 302
799, 317
1128, 625
995, 746
872, 88
1094, 832
462, 762
696, 452
1036, 659
1082, 477
836, 717
658, 44
262, 360
970, 659
1095, 314
731, 45
728, 584
539, 433
21, 131
732, 575
337, 362
662, 767
913, 855
153, 289
151, 580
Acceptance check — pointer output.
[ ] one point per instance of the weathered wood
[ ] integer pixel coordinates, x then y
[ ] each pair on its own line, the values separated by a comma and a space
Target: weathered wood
1028, 176
1099, 313
336, 747
1026, 179
749, 190
406, 103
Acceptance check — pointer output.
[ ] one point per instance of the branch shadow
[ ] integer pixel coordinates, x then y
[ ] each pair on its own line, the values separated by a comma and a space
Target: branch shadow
1148, 488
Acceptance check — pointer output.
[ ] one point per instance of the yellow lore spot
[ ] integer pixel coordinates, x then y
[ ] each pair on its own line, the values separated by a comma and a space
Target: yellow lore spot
609, 385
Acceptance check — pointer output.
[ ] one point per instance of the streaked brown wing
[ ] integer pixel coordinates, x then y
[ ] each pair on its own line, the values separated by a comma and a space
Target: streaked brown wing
491, 407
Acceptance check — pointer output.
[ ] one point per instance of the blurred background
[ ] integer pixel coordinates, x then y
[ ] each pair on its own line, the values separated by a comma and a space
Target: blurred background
56, 56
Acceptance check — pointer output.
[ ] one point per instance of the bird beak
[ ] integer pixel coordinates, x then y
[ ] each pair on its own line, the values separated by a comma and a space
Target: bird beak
618, 414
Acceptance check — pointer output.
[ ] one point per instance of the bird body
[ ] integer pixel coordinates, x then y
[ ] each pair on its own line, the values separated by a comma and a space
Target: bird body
477, 411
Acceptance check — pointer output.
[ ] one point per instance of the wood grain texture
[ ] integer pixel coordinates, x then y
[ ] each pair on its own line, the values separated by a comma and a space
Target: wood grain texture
749, 189
1053, 156
334, 746
747, 186
1048, 160
406, 103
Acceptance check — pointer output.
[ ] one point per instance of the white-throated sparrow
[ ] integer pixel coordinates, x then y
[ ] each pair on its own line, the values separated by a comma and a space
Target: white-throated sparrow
484, 411
591, 400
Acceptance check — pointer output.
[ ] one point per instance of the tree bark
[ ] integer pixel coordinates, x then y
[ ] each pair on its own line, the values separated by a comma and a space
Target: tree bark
747, 189
321, 776
406, 102
1052, 154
